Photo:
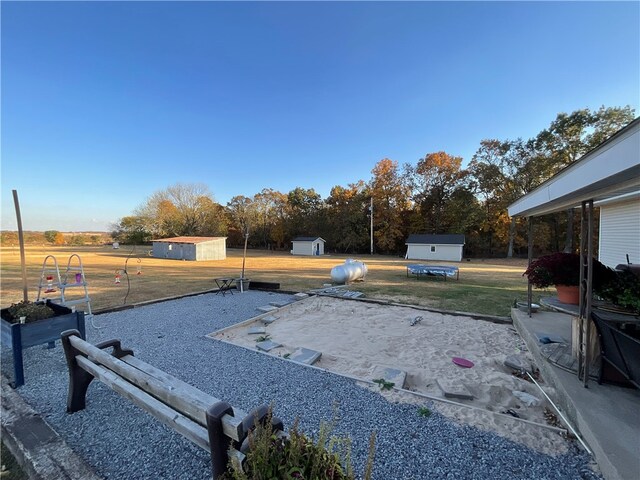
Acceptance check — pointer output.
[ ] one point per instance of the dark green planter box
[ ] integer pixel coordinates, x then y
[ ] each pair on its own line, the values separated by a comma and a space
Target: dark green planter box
19, 336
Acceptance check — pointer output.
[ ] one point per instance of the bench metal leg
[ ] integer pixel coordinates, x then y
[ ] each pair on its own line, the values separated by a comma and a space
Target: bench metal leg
79, 380
218, 441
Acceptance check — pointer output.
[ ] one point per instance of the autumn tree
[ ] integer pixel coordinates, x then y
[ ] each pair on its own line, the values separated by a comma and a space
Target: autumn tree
183, 209
348, 224
131, 230
434, 180
390, 192
304, 211
244, 216
572, 135
50, 235
271, 212
493, 172
59, 239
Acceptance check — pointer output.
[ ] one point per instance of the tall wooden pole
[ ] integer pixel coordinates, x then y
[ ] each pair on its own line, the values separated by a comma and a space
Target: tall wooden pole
244, 255
371, 225
23, 263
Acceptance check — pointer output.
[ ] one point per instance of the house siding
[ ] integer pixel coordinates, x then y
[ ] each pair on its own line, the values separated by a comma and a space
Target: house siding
620, 233
213, 250
419, 251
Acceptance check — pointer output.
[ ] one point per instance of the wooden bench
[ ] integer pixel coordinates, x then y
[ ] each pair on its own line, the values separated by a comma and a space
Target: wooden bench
211, 424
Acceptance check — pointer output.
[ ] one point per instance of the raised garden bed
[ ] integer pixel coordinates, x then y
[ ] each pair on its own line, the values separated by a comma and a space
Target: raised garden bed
19, 336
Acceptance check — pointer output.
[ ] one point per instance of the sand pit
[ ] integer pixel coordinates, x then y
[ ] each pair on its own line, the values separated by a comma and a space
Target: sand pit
363, 339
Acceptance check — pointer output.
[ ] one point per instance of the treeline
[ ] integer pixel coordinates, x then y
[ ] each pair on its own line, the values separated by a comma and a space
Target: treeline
435, 195
54, 237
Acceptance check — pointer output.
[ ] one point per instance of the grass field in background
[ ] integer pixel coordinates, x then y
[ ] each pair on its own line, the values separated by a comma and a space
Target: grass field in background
485, 286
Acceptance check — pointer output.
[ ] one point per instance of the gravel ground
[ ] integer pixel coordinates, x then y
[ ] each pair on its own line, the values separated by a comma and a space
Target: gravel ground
123, 442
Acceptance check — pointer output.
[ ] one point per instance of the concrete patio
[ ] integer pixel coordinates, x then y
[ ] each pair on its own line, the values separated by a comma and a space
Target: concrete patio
606, 416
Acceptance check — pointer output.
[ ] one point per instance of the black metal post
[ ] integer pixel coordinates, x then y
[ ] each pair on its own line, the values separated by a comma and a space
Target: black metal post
530, 259
589, 292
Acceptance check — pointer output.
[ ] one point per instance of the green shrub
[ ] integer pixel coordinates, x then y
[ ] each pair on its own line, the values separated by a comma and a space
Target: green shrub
296, 456
622, 289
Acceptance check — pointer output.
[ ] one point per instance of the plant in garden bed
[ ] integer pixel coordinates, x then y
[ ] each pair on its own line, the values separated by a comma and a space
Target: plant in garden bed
43, 323
296, 456
30, 310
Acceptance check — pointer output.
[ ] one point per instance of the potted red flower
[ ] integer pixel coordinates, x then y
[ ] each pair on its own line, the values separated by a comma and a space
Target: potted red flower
563, 271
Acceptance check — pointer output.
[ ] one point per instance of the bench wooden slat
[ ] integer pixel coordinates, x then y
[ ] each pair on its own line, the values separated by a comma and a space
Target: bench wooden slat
178, 422
180, 396
231, 425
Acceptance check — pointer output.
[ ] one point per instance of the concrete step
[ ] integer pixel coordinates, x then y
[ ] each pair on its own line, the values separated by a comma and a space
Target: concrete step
267, 345
269, 319
454, 389
393, 375
305, 355
281, 304
267, 308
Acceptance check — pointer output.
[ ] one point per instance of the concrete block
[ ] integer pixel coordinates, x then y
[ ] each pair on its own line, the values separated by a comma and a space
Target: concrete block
518, 363
280, 304
269, 319
454, 389
257, 331
267, 345
393, 375
306, 356
301, 295
267, 308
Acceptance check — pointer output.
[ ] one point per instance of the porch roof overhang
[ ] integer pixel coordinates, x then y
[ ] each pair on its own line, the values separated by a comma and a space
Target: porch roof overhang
610, 170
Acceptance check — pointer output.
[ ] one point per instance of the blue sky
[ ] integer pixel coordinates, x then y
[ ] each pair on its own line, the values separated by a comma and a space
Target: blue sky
105, 103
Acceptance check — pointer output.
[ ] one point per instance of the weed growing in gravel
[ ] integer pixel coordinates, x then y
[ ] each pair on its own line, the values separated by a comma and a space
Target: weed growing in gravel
384, 385
424, 412
296, 456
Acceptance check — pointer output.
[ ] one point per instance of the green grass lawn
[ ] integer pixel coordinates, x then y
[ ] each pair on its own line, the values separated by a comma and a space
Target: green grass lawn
485, 286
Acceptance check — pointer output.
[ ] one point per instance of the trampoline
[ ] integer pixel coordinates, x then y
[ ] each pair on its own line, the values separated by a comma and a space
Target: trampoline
443, 271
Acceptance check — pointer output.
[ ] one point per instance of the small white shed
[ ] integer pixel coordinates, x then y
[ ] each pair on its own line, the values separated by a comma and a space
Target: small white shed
308, 246
191, 248
435, 247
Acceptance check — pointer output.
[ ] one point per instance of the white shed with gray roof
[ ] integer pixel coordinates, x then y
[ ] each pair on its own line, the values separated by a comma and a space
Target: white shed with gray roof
435, 247
308, 246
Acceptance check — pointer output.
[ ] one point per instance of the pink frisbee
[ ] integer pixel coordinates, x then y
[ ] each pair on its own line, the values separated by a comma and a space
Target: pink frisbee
462, 362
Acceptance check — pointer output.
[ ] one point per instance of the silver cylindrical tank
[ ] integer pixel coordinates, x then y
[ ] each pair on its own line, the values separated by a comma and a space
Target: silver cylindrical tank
351, 271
